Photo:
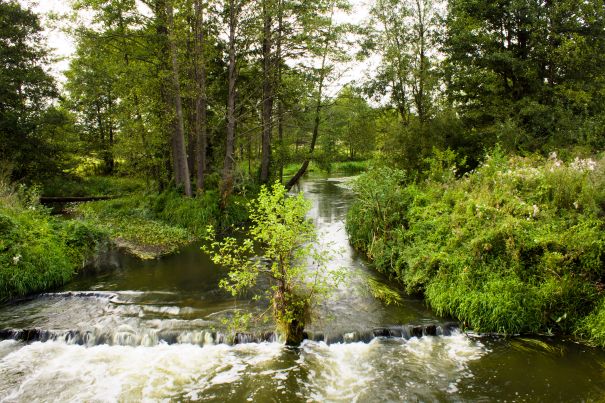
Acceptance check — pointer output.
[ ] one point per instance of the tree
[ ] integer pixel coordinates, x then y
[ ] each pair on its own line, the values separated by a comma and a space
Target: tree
179, 154
268, 11
527, 73
352, 131
201, 102
327, 46
288, 240
26, 92
91, 82
233, 11
405, 40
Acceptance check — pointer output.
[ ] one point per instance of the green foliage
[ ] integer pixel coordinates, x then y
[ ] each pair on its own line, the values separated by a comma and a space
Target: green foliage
384, 292
33, 134
75, 185
592, 327
38, 251
288, 242
515, 246
528, 75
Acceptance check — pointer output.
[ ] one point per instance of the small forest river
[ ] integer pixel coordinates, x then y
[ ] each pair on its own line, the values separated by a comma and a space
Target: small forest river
152, 331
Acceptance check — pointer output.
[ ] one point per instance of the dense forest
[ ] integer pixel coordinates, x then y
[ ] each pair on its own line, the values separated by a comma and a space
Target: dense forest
480, 123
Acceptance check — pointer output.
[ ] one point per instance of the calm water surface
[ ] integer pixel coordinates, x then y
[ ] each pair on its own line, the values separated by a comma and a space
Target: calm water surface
153, 331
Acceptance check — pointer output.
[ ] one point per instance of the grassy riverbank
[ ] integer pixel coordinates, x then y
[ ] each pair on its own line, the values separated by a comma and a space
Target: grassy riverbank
153, 225
516, 246
38, 251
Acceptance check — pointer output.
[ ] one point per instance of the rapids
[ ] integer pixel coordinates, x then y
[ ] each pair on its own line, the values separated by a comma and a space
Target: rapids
151, 331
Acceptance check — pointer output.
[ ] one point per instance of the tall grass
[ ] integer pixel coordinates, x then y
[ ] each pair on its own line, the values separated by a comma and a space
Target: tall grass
515, 246
37, 251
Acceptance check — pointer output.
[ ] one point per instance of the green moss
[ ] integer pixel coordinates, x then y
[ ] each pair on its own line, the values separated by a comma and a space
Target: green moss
516, 246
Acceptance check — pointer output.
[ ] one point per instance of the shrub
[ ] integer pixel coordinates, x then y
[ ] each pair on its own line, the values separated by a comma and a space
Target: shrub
38, 251
515, 246
288, 241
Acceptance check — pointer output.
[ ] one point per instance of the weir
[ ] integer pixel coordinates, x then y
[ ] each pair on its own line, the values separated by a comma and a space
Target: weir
155, 331
120, 337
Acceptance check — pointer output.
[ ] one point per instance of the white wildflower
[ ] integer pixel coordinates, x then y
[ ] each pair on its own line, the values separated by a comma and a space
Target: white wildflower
576, 205
536, 211
16, 259
583, 164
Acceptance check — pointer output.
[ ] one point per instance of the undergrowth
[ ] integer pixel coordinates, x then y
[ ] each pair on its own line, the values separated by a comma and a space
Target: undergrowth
38, 251
152, 225
515, 246
76, 186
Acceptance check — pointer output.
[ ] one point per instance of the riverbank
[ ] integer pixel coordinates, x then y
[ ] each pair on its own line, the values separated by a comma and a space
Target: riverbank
150, 226
516, 246
39, 251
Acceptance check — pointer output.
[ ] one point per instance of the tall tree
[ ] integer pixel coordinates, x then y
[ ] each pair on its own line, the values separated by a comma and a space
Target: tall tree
179, 154
233, 9
527, 73
201, 103
326, 46
405, 40
268, 10
26, 90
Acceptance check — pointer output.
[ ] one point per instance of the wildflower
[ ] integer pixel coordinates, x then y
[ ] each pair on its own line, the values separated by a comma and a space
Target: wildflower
16, 259
583, 164
536, 211
576, 205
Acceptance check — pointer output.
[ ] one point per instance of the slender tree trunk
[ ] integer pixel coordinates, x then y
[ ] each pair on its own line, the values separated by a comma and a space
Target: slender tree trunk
268, 80
280, 103
229, 162
179, 153
317, 121
201, 104
191, 138
419, 96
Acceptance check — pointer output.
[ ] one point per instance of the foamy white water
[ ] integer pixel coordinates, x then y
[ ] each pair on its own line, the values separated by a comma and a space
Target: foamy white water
340, 372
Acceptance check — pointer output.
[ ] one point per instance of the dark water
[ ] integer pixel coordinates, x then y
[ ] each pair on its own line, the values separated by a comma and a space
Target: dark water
153, 331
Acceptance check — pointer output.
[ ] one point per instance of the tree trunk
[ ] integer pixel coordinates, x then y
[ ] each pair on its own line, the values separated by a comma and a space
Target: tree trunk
322, 75
267, 92
201, 104
280, 104
181, 169
419, 96
229, 162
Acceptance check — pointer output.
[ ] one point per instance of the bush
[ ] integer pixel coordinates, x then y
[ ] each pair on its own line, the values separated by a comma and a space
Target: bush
288, 240
38, 251
515, 246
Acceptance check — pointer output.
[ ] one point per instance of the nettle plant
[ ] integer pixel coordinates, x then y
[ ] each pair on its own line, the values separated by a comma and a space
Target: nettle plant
291, 258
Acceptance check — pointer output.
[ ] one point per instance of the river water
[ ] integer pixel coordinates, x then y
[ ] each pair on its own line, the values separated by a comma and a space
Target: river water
150, 331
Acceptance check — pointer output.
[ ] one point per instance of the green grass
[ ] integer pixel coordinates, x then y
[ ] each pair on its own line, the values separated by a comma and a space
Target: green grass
517, 246
346, 167
76, 186
38, 251
153, 225
350, 167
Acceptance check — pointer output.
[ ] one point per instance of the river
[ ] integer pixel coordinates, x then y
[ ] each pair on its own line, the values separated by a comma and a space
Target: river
150, 331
